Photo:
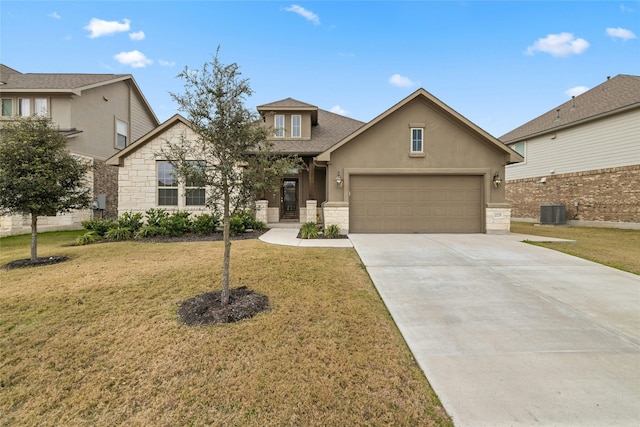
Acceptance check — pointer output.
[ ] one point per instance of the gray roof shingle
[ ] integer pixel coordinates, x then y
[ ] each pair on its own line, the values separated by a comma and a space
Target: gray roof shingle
13, 80
617, 93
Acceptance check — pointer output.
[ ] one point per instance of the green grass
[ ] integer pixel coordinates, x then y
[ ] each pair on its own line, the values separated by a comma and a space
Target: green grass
614, 247
95, 340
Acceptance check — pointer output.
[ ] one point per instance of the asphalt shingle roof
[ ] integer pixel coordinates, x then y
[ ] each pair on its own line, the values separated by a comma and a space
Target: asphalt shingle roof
14, 80
619, 92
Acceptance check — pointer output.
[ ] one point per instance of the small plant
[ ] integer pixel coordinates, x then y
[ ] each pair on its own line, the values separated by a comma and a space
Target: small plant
119, 233
155, 216
309, 231
88, 237
205, 224
332, 231
236, 225
130, 220
258, 225
176, 224
148, 231
99, 225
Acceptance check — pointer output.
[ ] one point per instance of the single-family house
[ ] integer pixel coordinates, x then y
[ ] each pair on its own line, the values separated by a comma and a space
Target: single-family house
419, 167
100, 114
582, 156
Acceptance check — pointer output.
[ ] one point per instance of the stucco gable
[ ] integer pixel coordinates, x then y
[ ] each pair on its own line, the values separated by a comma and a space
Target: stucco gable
117, 159
421, 94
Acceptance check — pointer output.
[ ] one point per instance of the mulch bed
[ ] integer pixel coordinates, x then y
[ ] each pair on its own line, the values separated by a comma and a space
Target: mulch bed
24, 263
207, 309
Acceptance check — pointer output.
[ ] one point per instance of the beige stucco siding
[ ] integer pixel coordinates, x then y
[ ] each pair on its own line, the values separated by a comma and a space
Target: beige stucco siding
305, 120
606, 143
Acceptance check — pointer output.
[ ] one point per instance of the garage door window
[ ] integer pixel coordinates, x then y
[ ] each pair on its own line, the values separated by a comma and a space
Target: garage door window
416, 140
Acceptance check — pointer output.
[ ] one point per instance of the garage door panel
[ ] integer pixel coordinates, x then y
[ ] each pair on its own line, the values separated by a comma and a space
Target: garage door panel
416, 203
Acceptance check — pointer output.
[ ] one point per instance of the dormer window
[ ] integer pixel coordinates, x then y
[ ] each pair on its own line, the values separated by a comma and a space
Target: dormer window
279, 125
296, 127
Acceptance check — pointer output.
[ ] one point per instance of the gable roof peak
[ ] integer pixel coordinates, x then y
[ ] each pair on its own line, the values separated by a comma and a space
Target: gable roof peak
287, 103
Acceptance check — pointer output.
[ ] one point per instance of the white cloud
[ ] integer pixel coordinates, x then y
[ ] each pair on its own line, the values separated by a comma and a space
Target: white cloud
166, 63
562, 44
55, 15
400, 81
137, 35
624, 9
621, 33
99, 27
575, 91
306, 14
339, 110
135, 59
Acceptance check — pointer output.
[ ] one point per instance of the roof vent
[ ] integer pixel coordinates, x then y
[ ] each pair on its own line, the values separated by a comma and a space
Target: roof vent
557, 115
573, 102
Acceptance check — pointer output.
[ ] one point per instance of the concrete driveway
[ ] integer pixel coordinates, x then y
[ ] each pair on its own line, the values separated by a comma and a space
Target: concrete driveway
510, 334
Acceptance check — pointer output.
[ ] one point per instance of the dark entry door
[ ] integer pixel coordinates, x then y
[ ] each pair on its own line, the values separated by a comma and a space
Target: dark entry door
289, 199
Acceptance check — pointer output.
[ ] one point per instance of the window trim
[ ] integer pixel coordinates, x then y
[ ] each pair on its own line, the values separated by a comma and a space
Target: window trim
299, 127
280, 133
117, 134
411, 140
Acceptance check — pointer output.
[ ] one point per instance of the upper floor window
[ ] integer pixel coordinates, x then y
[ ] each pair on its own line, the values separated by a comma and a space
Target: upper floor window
24, 107
296, 128
279, 124
519, 147
417, 145
7, 107
122, 130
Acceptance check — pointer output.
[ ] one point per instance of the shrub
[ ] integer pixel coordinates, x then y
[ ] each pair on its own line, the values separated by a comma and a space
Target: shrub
132, 221
175, 224
155, 216
332, 231
119, 233
236, 225
258, 225
248, 220
205, 224
99, 225
148, 231
88, 237
309, 231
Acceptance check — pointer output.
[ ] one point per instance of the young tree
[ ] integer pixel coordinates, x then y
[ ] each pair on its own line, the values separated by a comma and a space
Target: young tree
226, 135
38, 176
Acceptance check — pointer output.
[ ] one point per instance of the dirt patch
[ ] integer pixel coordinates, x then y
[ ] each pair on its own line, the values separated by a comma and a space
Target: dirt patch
24, 263
206, 309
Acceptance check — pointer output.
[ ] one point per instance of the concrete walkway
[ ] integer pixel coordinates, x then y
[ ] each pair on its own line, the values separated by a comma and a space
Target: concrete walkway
510, 334
288, 237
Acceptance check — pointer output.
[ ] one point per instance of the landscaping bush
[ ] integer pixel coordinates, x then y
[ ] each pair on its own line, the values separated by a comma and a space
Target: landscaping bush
175, 224
309, 230
132, 221
205, 224
148, 231
155, 216
248, 221
332, 231
99, 225
236, 225
88, 237
119, 233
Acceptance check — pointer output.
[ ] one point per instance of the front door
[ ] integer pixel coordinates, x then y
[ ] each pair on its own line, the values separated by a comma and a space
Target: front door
289, 199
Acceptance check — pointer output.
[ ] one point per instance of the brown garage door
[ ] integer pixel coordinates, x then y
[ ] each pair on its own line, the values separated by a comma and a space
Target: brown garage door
415, 204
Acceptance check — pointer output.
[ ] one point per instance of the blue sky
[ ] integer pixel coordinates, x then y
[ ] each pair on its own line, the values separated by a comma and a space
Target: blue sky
500, 64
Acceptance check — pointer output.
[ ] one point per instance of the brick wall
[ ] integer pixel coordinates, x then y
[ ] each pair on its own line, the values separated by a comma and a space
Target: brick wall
105, 181
603, 195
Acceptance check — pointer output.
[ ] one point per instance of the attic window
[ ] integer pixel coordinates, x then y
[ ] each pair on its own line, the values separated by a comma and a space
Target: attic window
417, 145
296, 131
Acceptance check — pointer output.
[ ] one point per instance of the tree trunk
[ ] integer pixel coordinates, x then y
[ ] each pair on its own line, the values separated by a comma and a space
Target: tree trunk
227, 249
34, 237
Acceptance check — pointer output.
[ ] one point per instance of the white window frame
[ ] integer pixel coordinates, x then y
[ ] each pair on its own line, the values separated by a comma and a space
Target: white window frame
119, 128
10, 104
523, 151
279, 126
164, 171
41, 104
421, 150
296, 130
24, 107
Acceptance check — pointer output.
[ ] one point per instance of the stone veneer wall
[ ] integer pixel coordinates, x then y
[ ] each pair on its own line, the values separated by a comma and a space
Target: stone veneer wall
603, 195
105, 181
336, 213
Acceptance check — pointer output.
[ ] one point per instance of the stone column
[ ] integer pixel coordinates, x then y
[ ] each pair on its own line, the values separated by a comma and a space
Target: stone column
261, 210
312, 206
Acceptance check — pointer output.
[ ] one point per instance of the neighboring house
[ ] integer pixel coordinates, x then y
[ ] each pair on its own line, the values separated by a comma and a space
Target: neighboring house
418, 167
100, 114
583, 155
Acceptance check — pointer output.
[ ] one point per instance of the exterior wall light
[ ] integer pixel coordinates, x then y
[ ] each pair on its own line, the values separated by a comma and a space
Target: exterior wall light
338, 180
497, 181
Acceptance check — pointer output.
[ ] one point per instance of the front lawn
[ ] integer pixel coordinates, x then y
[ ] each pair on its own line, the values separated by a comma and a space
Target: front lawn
96, 341
609, 246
